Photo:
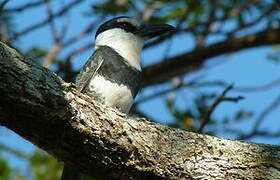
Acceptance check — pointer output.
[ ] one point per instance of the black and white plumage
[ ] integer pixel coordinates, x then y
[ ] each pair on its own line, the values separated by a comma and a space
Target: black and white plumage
112, 75
111, 81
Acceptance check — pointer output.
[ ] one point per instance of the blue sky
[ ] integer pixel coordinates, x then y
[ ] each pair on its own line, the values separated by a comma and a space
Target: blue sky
245, 69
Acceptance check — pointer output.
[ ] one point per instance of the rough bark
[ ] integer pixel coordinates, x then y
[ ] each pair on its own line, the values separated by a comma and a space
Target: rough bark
191, 61
99, 141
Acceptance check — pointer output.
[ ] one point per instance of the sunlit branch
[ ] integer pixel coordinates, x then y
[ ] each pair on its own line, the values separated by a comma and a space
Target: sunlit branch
51, 55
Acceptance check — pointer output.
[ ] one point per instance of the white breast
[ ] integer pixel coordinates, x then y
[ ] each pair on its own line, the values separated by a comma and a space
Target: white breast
115, 95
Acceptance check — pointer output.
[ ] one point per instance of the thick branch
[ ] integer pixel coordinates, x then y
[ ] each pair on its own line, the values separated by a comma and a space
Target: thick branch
40, 107
191, 61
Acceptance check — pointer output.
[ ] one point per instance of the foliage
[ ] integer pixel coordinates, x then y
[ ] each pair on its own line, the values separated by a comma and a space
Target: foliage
40, 165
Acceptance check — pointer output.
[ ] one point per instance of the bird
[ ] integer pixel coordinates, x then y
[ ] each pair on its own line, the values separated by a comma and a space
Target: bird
112, 74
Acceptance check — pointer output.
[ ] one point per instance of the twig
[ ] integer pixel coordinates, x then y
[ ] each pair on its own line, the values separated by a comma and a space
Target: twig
23, 7
160, 93
13, 151
57, 46
3, 4
200, 42
80, 50
51, 21
66, 23
83, 33
267, 86
206, 117
195, 84
266, 112
167, 49
45, 21
255, 21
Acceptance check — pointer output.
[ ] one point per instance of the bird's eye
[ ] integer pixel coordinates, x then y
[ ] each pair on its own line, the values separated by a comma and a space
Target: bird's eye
125, 24
128, 27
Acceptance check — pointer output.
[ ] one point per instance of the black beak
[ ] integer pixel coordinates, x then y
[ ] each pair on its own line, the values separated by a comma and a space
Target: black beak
153, 30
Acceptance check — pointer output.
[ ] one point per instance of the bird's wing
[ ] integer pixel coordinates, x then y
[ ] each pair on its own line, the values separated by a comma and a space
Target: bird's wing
89, 70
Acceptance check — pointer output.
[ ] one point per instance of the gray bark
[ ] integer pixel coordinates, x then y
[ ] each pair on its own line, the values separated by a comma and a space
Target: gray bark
100, 141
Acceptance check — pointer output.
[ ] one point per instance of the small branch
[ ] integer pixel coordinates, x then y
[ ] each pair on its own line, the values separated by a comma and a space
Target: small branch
81, 34
80, 50
66, 23
64, 28
13, 151
273, 106
45, 21
163, 92
25, 6
191, 61
207, 116
3, 4
265, 14
51, 55
267, 86
51, 21
194, 84
57, 41
86, 31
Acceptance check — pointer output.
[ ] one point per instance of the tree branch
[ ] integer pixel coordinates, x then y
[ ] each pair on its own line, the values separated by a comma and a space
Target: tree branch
221, 98
99, 141
191, 61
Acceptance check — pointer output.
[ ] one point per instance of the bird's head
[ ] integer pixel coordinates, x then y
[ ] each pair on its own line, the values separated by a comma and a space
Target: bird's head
126, 36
